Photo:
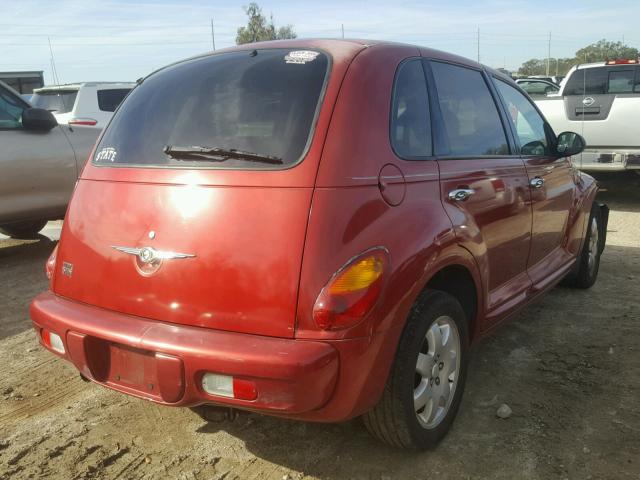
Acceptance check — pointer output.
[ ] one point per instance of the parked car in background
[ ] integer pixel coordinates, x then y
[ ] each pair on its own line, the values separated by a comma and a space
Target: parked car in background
26, 97
89, 103
403, 202
536, 87
39, 164
549, 78
602, 102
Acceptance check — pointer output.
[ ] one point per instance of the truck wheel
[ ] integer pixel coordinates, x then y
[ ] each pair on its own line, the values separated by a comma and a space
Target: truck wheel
425, 385
588, 263
24, 230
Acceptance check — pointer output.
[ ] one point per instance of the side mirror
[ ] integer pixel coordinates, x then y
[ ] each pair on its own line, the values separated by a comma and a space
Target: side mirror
38, 119
570, 143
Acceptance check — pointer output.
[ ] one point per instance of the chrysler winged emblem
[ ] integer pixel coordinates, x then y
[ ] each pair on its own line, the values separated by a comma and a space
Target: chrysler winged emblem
149, 255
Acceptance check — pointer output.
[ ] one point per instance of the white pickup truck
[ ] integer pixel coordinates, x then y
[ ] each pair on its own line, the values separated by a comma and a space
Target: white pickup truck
601, 101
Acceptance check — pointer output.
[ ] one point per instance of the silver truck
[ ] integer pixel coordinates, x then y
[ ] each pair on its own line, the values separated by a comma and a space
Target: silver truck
601, 101
39, 164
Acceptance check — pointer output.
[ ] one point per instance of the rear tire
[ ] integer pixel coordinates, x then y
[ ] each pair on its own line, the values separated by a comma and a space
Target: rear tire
23, 230
425, 385
588, 263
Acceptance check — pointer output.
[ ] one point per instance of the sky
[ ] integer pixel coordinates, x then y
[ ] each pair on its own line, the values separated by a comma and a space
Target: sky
112, 40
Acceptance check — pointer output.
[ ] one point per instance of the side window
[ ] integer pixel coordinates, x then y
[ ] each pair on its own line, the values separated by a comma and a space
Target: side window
410, 120
108, 100
620, 81
10, 111
470, 115
527, 122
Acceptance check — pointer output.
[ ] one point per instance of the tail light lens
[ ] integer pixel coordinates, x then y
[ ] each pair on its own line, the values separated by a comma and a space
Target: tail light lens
83, 121
50, 266
227, 386
352, 291
53, 341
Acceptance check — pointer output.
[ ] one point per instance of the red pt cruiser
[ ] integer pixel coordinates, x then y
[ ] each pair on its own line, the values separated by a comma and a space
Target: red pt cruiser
315, 229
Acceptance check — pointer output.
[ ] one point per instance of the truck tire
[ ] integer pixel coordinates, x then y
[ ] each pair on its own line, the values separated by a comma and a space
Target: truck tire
588, 263
425, 385
24, 230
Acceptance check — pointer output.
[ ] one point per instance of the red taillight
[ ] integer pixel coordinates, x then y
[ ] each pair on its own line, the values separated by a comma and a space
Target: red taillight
352, 291
244, 389
50, 266
228, 386
83, 121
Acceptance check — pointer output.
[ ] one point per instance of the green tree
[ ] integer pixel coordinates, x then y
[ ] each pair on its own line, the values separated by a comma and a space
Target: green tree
596, 52
605, 50
258, 29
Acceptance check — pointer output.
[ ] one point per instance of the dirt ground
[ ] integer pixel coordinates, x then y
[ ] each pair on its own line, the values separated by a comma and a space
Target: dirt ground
568, 366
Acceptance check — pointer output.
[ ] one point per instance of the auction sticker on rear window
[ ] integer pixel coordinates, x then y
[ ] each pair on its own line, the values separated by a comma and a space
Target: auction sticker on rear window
300, 56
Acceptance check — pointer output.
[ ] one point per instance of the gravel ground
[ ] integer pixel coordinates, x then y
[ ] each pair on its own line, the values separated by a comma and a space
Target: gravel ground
568, 366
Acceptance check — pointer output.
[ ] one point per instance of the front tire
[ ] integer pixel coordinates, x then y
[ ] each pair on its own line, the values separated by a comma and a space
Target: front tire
588, 263
425, 385
23, 230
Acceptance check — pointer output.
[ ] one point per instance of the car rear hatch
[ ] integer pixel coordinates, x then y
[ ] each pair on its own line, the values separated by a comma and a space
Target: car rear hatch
58, 100
603, 102
194, 208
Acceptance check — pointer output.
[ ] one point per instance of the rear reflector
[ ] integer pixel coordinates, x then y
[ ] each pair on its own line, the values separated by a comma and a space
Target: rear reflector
226, 386
53, 341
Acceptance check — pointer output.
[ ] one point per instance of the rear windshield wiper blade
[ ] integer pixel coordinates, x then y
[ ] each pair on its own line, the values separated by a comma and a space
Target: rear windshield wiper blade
214, 154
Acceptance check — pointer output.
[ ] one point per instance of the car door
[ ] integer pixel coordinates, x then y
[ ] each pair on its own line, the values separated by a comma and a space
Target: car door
484, 186
551, 181
38, 169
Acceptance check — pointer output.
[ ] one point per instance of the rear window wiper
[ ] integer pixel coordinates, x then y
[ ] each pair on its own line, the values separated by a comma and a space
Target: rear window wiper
214, 154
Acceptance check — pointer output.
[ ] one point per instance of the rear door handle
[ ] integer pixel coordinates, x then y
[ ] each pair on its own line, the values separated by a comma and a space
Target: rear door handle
461, 194
537, 182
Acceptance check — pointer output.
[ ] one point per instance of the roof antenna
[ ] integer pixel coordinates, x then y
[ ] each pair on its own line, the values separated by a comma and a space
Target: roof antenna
53, 64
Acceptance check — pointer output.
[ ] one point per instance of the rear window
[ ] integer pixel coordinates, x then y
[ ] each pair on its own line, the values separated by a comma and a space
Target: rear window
601, 80
249, 109
56, 101
108, 100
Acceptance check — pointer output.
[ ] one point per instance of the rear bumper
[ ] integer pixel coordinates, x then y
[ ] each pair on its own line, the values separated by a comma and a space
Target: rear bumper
607, 159
165, 362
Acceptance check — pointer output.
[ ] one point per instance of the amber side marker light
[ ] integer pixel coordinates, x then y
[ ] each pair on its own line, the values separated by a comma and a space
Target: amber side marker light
352, 291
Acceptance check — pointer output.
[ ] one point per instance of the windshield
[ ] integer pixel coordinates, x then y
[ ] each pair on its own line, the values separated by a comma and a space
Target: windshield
263, 102
56, 101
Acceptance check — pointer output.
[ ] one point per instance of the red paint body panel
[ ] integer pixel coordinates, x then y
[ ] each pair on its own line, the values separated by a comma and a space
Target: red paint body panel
267, 242
215, 289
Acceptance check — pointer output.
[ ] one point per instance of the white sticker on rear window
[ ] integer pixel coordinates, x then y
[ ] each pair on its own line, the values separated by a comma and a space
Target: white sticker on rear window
300, 56
107, 154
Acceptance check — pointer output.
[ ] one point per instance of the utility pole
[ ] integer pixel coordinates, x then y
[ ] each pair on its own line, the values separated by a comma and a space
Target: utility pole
549, 54
342, 25
478, 44
213, 37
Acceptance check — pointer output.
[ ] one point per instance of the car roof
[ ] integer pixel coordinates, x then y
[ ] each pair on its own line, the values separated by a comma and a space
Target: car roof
339, 45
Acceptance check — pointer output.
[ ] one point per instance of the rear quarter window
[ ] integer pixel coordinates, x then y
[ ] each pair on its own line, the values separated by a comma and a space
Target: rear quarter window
410, 122
261, 102
109, 99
